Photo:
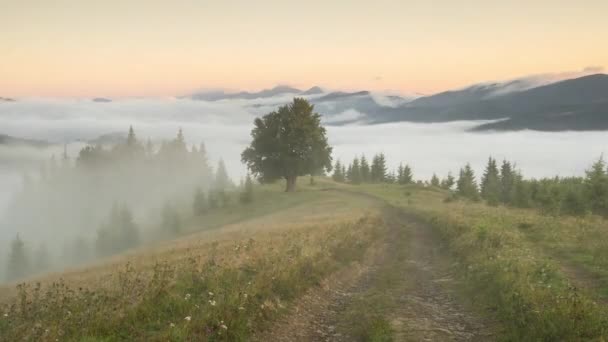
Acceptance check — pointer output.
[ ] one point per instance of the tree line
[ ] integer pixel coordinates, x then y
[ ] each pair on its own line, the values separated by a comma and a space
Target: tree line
500, 184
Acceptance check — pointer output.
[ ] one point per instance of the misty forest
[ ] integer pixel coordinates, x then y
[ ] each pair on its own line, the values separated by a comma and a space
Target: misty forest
322, 171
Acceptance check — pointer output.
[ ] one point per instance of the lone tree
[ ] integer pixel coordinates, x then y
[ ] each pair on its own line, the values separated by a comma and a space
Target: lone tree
288, 143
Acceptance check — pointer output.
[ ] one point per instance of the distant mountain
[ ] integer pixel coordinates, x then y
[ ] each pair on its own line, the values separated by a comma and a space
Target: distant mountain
313, 91
545, 102
6, 99
14, 141
266, 93
101, 99
575, 104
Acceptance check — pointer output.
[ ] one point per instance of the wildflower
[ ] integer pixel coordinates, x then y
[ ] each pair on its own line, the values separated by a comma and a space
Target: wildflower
241, 308
188, 318
172, 325
187, 296
245, 295
212, 302
5, 315
211, 294
224, 326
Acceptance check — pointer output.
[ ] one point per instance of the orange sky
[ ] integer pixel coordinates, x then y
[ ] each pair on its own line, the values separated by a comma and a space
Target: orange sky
157, 48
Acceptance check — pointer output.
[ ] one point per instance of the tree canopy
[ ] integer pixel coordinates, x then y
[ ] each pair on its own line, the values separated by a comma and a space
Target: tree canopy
288, 143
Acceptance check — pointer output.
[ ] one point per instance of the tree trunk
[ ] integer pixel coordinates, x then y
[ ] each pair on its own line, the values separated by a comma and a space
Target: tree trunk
291, 184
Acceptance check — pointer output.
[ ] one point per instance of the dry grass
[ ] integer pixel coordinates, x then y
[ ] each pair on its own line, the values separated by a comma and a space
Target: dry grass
140, 295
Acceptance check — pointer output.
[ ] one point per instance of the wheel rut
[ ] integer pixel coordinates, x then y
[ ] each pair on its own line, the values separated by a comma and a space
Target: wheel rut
424, 302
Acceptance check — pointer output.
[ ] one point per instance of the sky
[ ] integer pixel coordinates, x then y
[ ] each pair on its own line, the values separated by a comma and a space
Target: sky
136, 48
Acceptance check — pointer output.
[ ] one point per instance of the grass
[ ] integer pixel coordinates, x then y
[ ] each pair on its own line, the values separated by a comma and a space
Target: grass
235, 271
220, 285
508, 274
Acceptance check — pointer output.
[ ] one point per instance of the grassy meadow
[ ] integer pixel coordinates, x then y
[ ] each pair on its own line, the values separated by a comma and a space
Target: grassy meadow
539, 275
217, 284
234, 273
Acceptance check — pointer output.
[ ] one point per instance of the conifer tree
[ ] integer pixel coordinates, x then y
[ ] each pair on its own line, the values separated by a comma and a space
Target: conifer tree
491, 183
466, 185
355, 176
523, 192
435, 181
507, 182
407, 177
364, 170
596, 187
207, 171
247, 193
200, 205
131, 139
378, 168
338, 176
18, 263
448, 182
349, 173
117, 234
222, 181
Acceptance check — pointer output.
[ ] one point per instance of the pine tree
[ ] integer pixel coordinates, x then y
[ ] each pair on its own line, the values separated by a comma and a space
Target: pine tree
222, 180
466, 185
18, 263
435, 181
596, 187
364, 170
355, 176
131, 139
378, 168
523, 192
448, 182
407, 177
204, 163
507, 182
247, 193
200, 205
117, 234
491, 183
349, 173
338, 176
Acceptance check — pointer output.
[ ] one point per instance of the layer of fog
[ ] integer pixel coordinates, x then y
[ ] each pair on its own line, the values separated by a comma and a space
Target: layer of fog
225, 125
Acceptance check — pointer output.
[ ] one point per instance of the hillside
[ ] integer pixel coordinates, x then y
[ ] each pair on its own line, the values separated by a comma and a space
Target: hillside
575, 104
339, 262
